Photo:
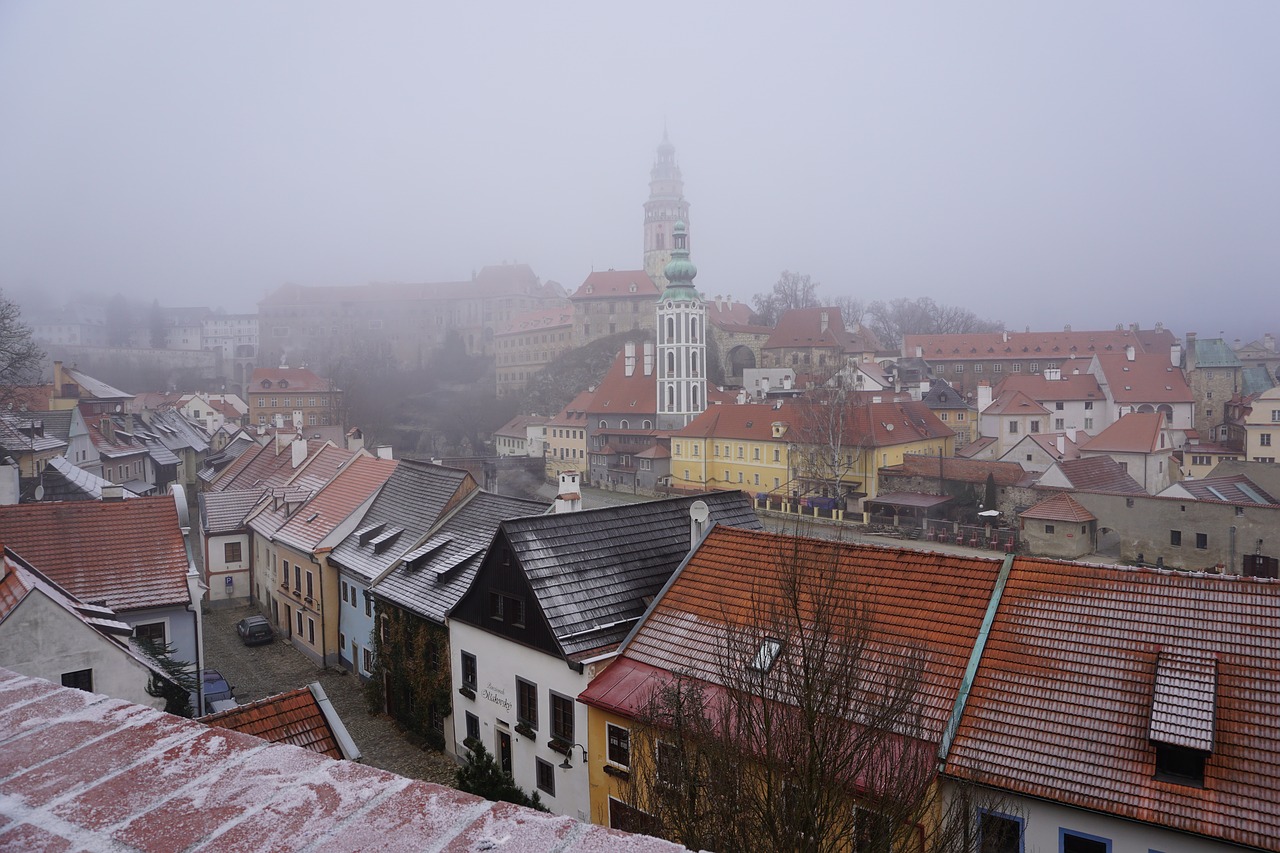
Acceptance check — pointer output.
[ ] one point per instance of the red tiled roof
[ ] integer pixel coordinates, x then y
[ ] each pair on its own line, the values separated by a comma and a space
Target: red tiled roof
1043, 346
82, 771
518, 426
627, 396
734, 316
1078, 386
801, 328
1061, 706
354, 485
299, 379
574, 414
1136, 432
616, 283
128, 554
959, 470
1060, 507
294, 717
266, 465
976, 446
546, 318
735, 572
1146, 379
1013, 402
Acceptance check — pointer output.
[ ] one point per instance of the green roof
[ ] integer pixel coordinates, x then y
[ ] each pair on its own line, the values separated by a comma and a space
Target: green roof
1214, 352
1255, 380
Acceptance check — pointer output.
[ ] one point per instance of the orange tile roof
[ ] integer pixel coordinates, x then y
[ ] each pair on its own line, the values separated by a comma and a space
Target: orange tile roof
619, 394
1146, 379
1136, 432
546, 318
294, 717
354, 485
299, 379
574, 414
127, 554
1013, 402
1060, 507
1046, 346
264, 465
801, 328
1078, 386
616, 283
1061, 706
734, 570
958, 469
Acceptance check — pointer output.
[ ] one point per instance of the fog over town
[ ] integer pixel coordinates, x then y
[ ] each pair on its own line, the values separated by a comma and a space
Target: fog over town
1041, 166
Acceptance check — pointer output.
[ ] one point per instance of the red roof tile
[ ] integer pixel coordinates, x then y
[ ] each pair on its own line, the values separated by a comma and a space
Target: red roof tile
801, 328
128, 554
316, 519
1079, 386
1060, 507
1099, 474
1042, 346
628, 396
1146, 379
298, 379
959, 470
1136, 432
1062, 704
734, 570
294, 717
82, 771
1014, 402
864, 423
616, 283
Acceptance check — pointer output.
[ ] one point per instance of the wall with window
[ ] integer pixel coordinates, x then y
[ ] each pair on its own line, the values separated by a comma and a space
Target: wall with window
1049, 827
41, 639
499, 708
227, 561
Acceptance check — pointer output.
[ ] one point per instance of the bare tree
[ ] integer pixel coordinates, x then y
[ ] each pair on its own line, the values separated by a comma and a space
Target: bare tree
20, 357
891, 321
791, 290
832, 433
810, 734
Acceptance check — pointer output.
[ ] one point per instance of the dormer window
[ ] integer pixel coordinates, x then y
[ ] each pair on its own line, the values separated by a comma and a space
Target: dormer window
1183, 714
765, 656
266, 383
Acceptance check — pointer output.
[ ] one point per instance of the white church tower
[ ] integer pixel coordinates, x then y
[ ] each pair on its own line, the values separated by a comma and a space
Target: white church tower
682, 340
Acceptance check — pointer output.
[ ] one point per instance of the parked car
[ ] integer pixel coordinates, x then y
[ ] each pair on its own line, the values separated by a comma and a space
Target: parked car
255, 630
217, 692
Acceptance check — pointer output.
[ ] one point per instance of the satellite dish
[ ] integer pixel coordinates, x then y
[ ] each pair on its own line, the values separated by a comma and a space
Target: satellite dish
699, 511
39, 492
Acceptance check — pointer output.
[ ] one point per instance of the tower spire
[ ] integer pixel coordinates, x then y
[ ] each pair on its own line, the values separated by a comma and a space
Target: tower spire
666, 206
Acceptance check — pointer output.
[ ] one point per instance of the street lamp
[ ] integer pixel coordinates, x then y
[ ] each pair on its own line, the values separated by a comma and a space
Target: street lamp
566, 764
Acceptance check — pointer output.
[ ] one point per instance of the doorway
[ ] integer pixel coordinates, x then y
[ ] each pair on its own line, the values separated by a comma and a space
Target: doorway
504, 751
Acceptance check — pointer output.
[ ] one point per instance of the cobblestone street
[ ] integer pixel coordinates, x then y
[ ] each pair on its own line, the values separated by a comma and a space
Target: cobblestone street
256, 672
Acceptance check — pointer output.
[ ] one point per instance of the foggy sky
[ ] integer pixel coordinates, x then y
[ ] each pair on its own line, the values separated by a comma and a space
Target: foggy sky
1086, 163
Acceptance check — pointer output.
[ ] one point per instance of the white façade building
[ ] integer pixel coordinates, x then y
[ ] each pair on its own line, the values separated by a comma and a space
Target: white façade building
551, 601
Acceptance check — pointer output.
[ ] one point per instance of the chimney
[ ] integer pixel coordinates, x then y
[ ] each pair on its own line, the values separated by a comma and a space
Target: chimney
629, 359
355, 439
1004, 334
742, 397
298, 451
1071, 434
823, 318
1129, 353
112, 492
1269, 341
648, 358
1062, 445
924, 389
569, 499
1133, 327
699, 514
108, 428
57, 379
919, 352
384, 451
984, 395
1175, 355
1066, 328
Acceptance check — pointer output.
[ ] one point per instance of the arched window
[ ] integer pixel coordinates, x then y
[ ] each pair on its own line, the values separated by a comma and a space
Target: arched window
662, 240
624, 424
671, 398
693, 329
695, 363
696, 404
602, 424
671, 329
647, 424
671, 363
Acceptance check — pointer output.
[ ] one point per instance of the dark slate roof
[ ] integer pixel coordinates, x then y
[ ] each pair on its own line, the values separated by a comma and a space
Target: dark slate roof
413, 498
433, 574
64, 481
215, 462
594, 571
224, 512
176, 432
1253, 380
58, 424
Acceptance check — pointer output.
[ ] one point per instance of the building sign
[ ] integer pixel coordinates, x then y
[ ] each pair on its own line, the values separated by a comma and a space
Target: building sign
497, 696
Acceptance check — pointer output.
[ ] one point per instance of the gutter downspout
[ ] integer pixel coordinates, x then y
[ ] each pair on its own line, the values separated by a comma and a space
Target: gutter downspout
975, 657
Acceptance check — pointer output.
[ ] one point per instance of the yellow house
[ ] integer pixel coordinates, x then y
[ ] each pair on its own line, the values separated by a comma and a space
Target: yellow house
306, 603
567, 438
1262, 427
803, 448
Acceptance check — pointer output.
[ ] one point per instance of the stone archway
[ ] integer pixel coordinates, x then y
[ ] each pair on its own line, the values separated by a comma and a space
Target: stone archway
1108, 542
739, 358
